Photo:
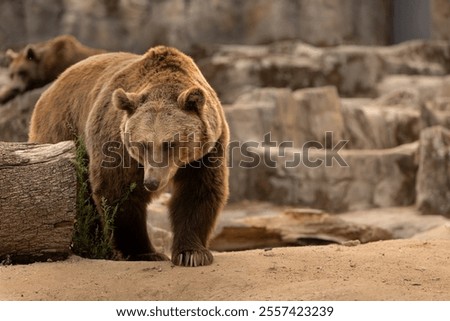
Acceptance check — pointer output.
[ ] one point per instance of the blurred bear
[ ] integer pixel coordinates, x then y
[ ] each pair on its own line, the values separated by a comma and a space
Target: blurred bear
39, 64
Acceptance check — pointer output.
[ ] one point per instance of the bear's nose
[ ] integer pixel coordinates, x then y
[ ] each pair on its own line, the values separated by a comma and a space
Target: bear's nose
151, 185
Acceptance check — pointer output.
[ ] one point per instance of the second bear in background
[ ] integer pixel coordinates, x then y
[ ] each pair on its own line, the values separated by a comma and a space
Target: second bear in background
39, 64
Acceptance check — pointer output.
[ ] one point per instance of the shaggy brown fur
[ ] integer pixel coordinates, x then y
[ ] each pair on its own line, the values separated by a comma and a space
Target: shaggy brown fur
161, 116
41, 63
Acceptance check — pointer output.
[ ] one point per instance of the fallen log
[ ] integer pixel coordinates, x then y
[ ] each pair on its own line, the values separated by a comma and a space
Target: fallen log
294, 227
38, 189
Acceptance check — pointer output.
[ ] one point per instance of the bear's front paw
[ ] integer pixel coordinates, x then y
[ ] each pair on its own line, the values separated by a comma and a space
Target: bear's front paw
192, 258
149, 257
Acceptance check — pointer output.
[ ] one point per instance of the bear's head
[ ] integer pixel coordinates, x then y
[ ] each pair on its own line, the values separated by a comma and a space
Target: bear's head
164, 132
24, 68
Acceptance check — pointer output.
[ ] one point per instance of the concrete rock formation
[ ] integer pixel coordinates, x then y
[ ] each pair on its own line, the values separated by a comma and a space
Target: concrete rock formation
426, 87
436, 112
433, 178
291, 117
326, 179
306, 115
138, 24
377, 125
356, 71
15, 116
440, 19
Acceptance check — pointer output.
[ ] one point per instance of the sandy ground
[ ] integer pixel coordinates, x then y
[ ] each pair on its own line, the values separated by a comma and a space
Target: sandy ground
388, 270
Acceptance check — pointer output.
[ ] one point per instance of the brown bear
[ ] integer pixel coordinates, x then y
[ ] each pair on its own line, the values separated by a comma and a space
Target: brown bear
39, 64
161, 116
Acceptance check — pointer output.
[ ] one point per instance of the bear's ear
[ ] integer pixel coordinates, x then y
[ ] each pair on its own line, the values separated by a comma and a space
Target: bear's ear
192, 99
11, 54
31, 54
125, 101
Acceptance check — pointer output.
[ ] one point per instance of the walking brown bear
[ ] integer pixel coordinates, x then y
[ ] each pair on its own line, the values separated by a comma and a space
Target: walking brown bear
153, 109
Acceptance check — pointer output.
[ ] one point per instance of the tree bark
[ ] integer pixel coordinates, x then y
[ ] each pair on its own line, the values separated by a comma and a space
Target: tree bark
38, 189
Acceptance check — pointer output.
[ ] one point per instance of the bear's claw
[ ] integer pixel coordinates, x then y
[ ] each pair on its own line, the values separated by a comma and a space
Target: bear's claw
193, 258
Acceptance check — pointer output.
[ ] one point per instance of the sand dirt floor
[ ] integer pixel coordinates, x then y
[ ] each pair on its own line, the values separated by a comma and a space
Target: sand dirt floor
387, 270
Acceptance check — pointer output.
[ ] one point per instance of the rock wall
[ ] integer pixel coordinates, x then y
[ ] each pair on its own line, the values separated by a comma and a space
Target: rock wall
377, 125
311, 148
440, 19
135, 25
292, 117
15, 116
381, 151
306, 115
433, 181
355, 71
326, 179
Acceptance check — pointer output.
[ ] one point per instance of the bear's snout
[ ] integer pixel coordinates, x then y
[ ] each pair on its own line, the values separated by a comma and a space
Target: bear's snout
151, 185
